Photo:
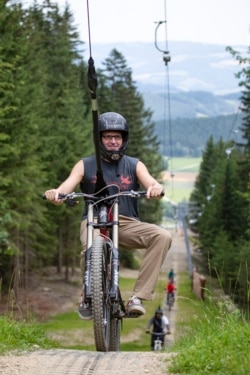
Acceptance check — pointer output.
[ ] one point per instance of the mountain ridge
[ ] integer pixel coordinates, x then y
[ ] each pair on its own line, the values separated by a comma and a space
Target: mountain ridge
204, 71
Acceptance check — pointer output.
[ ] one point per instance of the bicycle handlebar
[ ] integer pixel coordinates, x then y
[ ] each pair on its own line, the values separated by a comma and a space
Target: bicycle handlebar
96, 198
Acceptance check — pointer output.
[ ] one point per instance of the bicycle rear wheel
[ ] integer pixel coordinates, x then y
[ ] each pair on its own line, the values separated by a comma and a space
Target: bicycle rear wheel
100, 294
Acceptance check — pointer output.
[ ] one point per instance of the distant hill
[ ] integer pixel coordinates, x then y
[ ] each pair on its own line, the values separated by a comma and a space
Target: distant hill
191, 104
201, 77
189, 136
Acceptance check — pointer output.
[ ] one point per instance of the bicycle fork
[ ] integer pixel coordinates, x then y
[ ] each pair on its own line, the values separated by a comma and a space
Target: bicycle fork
114, 266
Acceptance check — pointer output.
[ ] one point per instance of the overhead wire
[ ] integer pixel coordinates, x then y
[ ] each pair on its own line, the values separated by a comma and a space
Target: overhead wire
166, 59
234, 138
89, 36
168, 149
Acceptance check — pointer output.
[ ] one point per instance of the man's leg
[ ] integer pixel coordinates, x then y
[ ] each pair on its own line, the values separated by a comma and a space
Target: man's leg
156, 241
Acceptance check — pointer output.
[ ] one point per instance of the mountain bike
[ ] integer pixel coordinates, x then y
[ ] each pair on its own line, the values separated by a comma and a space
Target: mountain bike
101, 280
170, 301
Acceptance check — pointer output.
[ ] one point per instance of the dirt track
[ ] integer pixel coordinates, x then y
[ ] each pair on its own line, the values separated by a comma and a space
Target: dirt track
77, 362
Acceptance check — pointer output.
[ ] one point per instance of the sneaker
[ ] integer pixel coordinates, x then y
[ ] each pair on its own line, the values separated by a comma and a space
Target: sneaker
84, 310
134, 306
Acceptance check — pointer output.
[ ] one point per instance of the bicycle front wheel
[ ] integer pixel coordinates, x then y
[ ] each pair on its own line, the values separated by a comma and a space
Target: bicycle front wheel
100, 295
170, 303
115, 329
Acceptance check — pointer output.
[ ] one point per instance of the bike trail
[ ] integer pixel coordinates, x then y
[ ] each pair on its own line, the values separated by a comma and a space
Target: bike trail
176, 259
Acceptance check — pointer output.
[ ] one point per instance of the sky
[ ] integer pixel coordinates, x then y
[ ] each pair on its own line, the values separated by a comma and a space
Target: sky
225, 22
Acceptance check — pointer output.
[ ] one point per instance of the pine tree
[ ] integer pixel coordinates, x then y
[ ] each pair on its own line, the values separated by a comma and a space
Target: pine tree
118, 93
64, 130
19, 163
44, 131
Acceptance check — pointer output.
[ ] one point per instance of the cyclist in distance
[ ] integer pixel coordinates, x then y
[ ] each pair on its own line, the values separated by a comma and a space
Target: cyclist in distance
127, 173
170, 289
171, 274
160, 325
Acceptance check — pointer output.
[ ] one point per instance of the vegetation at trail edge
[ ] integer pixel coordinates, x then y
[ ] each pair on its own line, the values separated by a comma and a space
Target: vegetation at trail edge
212, 338
21, 335
220, 205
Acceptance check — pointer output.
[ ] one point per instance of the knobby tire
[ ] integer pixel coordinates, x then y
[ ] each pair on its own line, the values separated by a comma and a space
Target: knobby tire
170, 303
115, 329
100, 300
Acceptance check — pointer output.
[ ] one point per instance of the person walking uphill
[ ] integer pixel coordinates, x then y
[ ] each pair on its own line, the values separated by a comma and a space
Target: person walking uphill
127, 173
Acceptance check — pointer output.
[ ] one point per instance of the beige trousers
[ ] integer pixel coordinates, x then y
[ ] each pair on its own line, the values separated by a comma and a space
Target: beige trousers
134, 234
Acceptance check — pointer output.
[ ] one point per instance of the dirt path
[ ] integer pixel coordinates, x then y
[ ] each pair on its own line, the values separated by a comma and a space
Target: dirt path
176, 259
78, 362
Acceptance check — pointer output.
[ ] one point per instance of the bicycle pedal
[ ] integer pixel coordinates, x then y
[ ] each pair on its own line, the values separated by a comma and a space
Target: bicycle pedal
132, 315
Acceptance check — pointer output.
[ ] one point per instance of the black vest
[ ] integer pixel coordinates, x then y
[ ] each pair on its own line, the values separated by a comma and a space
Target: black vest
157, 325
121, 173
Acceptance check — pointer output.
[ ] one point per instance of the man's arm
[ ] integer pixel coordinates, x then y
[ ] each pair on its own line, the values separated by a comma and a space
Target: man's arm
68, 186
166, 324
154, 189
149, 325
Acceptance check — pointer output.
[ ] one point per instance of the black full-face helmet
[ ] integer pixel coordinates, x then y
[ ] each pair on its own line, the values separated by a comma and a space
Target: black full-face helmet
111, 121
159, 311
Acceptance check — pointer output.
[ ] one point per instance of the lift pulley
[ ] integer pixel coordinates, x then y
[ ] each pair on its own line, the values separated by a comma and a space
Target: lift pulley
166, 54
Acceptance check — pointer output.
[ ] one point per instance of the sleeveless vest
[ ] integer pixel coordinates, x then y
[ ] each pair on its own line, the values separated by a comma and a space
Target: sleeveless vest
121, 173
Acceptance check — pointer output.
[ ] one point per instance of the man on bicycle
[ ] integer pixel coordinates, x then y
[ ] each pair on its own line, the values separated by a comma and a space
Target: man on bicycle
171, 274
127, 173
170, 289
160, 327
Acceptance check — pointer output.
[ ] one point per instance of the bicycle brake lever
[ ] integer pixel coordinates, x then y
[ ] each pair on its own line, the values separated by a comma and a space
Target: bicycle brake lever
71, 202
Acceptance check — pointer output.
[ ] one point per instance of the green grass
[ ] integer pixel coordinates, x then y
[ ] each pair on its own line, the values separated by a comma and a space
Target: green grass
185, 164
22, 336
212, 338
179, 191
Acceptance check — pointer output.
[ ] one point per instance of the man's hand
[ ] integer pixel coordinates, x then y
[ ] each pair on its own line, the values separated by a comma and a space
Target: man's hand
52, 195
155, 191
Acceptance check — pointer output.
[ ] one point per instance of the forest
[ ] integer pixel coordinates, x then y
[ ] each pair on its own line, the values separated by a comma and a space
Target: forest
189, 136
46, 127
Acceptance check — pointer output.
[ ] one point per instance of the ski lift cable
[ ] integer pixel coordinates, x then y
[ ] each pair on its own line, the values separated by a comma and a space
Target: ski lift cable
233, 124
167, 59
167, 106
234, 140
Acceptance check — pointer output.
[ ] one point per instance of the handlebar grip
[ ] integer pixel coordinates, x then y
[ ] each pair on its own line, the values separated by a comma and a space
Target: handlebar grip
162, 193
61, 196
44, 196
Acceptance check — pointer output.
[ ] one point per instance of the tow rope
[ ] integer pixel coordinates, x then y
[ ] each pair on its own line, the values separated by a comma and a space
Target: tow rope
92, 85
